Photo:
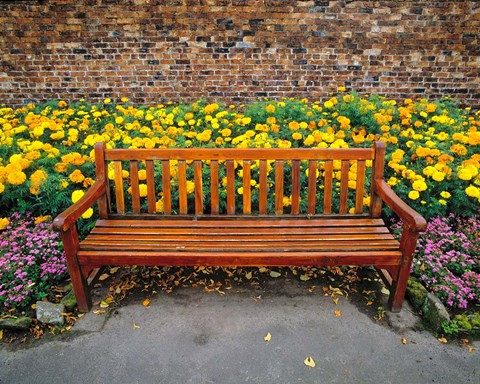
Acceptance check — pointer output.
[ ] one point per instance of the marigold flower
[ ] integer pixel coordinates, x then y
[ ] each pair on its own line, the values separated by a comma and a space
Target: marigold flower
88, 213
413, 195
3, 223
472, 191
16, 178
419, 185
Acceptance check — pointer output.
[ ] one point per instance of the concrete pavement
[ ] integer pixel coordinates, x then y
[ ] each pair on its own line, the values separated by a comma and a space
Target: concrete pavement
190, 336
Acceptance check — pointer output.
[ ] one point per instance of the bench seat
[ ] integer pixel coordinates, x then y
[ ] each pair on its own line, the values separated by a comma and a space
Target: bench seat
247, 242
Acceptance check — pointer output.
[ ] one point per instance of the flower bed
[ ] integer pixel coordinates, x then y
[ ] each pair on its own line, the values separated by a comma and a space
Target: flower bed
433, 159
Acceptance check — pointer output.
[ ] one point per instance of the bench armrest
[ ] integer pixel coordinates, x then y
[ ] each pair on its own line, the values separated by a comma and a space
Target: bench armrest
408, 215
68, 217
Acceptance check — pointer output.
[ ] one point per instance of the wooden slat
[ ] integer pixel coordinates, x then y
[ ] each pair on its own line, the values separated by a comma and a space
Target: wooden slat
344, 188
295, 209
249, 222
192, 258
360, 187
214, 197
377, 174
312, 186
198, 165
167, 194
327, 191
119, 193
101, 174
279, 166
135, 188
247, 202
230, 187
182, 187
262, 197
240, 231
151, 198
240, 154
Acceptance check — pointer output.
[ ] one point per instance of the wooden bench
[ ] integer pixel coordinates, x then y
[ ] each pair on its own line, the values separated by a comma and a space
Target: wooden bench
240, 207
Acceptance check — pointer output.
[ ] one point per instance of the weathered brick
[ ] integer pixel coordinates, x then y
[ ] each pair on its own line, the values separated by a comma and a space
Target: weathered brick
237, 49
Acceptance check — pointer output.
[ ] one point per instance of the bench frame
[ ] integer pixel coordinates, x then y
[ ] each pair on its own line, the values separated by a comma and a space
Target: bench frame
395, 273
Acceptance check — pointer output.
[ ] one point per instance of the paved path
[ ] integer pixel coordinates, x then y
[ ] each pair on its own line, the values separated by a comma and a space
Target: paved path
193, 337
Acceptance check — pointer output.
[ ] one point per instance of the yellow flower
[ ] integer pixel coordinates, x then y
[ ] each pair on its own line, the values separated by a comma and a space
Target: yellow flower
88, 213
270, 108
341, 89
2, 187
296, 136
465, 173
159, 206
3, 223
143, 191
472, 191
16, 178
77, 195
445, 194
392, 181
190, 186
419, 185
76, 176
293, 125
240, 190
119, 120
438, 176
41, 219
413, 195
107, 101
62, 104
442, 202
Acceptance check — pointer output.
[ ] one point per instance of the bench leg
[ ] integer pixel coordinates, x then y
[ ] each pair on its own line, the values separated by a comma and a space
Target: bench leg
398, 289
79, 282
399, 284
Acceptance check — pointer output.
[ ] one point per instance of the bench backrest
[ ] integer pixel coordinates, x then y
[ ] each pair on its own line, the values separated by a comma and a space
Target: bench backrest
235, 181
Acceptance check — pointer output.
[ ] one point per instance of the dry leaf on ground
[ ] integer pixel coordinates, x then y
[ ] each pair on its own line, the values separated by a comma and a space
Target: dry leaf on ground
309, 362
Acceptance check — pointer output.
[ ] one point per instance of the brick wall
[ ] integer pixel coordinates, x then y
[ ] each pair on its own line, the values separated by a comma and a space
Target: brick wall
237, 50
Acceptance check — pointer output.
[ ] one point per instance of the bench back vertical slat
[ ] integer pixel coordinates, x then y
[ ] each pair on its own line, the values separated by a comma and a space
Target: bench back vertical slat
182, 187
214, 198
377, 174
360, 187
119, 194
312, 186
327, 190
247, 202
344, 187
230, 187
167, 195
279, 168
135, 186
262, 197
295, 208
150, 186
198, 168
101, 174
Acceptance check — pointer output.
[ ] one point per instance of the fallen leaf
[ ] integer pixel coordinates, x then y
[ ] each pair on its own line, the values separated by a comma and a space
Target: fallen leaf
338, 312
146, 302
34, 306
99, 312
422, 267
114, 269
103, 304
109, 299
309, 362
385, 291
248, 275
443, 340
262, 269
304, 277
470, 349
369, 302
268, 337
275, 274
1, 334
104, 276
404, 340
335, 300
135, 326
